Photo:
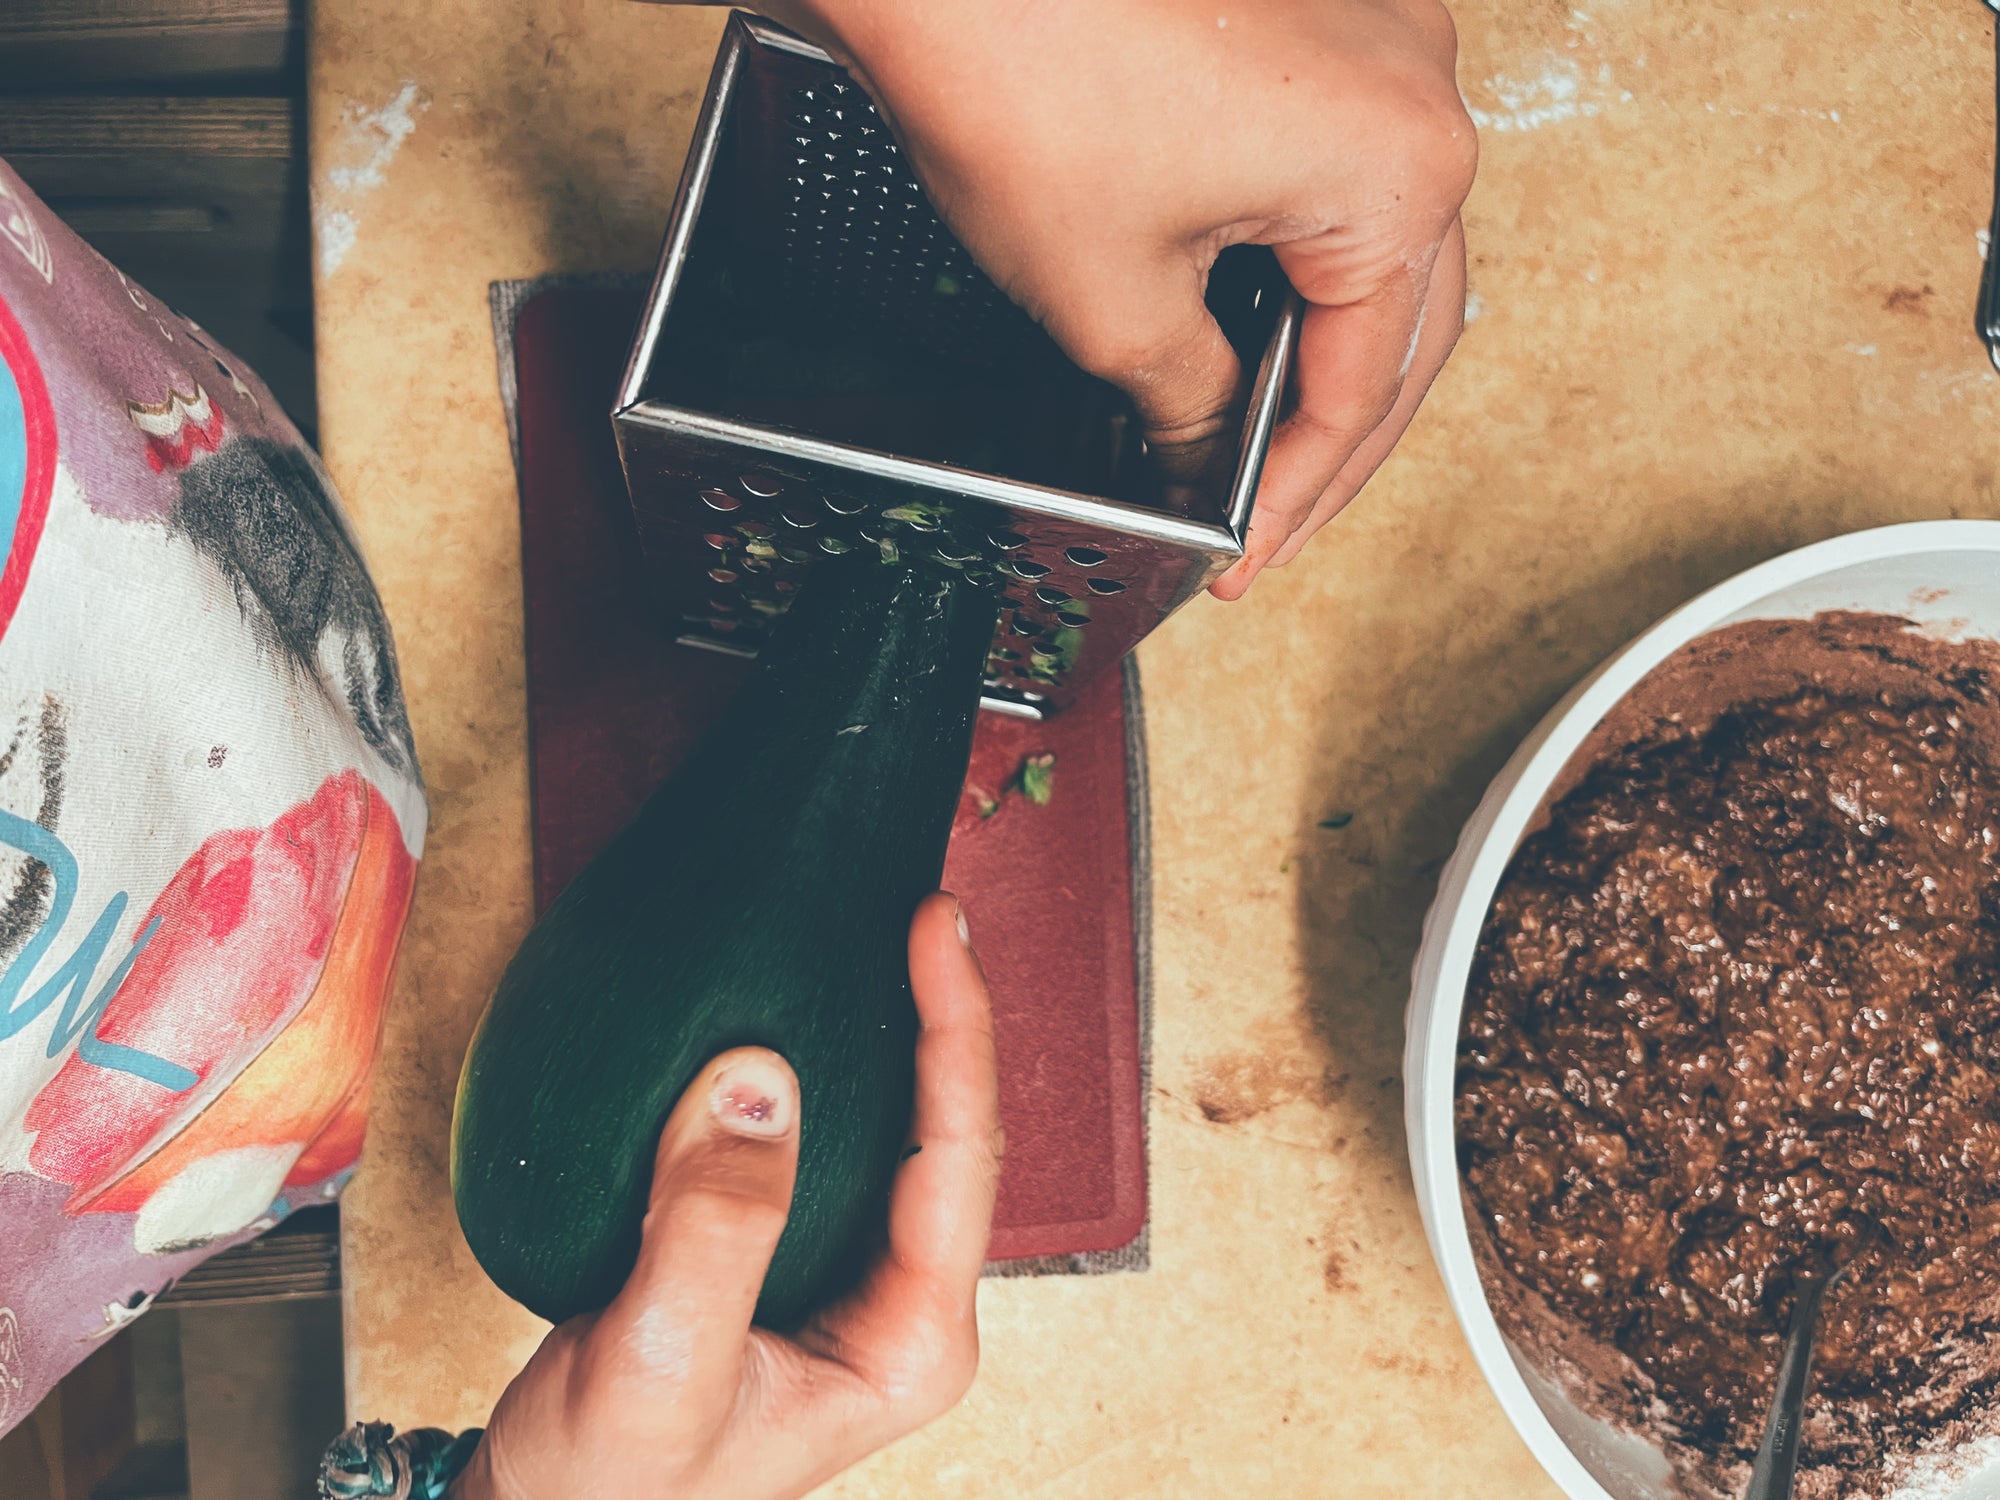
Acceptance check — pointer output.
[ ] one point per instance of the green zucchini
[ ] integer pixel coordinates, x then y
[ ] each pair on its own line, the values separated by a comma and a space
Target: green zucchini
761, 897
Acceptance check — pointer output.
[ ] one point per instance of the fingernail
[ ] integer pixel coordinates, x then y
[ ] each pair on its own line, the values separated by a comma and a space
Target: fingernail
753, 1098
964, 932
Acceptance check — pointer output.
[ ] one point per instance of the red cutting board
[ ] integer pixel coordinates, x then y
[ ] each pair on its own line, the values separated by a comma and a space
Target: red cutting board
613, 706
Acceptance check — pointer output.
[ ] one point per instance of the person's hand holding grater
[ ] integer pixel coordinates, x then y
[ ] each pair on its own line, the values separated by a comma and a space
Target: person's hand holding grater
1096, 155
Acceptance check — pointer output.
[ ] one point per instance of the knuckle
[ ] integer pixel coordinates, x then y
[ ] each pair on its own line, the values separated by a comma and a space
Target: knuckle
1110, 353
727, 1171
720, 1208
742, 1215
953, 1377
1439, 143
1433, 23
939, 1369
1344, 421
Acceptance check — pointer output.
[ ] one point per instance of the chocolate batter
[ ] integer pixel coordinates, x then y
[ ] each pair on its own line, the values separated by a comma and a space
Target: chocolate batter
1741, 988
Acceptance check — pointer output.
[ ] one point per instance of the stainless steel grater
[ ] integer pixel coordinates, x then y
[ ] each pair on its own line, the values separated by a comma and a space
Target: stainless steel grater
822, 367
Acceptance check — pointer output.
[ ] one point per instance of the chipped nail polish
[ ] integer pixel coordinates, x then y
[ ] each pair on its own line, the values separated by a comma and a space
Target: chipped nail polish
752, 1098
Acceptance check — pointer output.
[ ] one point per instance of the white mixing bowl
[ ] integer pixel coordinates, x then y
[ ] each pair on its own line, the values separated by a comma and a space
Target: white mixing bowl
1944, 575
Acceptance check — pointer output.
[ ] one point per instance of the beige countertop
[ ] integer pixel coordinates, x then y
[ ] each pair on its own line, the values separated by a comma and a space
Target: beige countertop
1723, 262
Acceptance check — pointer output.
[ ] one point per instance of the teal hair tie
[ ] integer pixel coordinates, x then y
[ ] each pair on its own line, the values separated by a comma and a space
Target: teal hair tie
370, 1461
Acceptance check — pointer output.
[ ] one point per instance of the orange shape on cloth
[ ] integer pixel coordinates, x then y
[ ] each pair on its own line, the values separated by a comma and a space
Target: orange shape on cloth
309, 1088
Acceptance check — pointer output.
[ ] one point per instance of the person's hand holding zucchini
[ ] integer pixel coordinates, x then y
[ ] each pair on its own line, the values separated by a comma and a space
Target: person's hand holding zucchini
670, 1393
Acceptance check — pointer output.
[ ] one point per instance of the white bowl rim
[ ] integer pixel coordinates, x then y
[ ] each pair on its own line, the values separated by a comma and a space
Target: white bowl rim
1465, 891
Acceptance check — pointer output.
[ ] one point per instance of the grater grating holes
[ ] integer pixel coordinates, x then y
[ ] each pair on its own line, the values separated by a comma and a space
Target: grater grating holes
761, 559
856, 231
813, 229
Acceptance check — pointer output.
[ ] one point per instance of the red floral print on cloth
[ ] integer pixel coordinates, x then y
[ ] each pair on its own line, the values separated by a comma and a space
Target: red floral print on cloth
293, 926
177, 428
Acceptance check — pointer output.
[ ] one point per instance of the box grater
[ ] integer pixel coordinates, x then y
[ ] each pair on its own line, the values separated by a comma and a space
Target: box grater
821, 367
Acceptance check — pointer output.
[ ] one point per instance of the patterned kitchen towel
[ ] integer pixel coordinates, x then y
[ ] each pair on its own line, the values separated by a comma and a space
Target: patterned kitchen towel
210, 810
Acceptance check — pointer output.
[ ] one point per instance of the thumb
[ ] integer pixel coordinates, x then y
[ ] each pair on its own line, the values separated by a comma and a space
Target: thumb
1146, 328
722, 1187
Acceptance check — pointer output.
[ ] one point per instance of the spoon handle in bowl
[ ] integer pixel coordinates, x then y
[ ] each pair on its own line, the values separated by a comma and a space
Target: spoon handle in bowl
1778, 1454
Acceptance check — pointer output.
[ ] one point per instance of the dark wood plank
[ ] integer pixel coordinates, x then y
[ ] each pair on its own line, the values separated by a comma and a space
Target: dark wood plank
258, 243
63, 43
288, 1263
97, 1416
212, 151
28, 21
88, 125
152, 1471
263, 1396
